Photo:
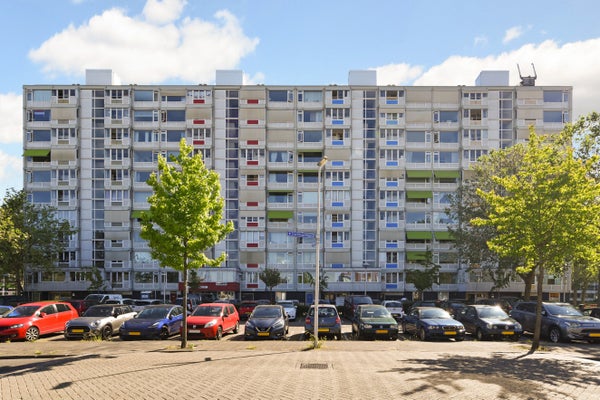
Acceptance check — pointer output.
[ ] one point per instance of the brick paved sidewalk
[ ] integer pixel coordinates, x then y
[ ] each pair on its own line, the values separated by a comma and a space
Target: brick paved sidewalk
233, 369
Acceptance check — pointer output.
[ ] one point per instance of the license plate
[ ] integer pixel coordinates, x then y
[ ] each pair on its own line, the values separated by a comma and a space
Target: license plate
134, 333
383, 331
194, 331
594, 334
263, 333
77, 330
508, 333
323, 329
450, 333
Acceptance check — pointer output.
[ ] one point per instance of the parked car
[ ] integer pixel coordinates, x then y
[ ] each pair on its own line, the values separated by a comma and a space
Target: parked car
213, 320
486, 322
330, 323
374, 321
454, 307
504, 303
560, 321
101, 321
29, 321
5, 310
159, 321
79, 305
192, 302
432, 322
395, 308
246, 308
101, 298
352, 302
140, 304
290, 308
592, 312
267, 322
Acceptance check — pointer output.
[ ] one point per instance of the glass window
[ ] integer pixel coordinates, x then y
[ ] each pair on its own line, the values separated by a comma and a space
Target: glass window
553, 116
142, 136
555, 96
415, 136
312, 96
143, 95
40, 176
280, 96
142, 156
175, 115
448, 137
40, 135
143, 115
175, 136
42, 95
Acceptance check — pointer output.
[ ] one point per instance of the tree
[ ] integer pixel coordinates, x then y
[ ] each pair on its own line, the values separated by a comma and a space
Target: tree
425, 278
271, 277
546, 214
96, 281
307, 277
31, 236
184, 219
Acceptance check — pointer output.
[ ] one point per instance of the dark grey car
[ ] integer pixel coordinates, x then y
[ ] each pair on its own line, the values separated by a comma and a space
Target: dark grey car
560, 321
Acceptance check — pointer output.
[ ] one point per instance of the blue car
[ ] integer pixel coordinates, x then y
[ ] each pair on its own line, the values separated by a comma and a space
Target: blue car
153, 322
431, 323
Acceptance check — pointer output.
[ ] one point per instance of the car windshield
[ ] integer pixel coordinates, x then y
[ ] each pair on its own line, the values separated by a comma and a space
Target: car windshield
94, 297
267, 312
435, 313
562, 309
287, 304
154, 313
492, 312
362, 300
207, 311
372, 312
393, 304
98, 312
22, 311
323, 312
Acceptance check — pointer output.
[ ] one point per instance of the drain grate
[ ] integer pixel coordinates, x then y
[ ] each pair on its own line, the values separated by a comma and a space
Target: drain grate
314, 366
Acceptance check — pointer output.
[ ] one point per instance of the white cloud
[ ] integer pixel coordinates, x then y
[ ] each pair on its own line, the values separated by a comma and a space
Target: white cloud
148, 50
571, 64
397, 74
480, 41
11, 115
163, 11
11, 172
512, 33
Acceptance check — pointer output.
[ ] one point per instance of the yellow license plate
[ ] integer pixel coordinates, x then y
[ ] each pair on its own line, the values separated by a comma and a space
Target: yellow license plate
323, 329
381, 331
77, 330
508, 333
450, 333
263, 333
594, 334
134, 333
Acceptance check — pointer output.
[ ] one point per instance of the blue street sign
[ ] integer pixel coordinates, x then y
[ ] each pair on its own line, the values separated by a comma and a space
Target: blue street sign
302, 234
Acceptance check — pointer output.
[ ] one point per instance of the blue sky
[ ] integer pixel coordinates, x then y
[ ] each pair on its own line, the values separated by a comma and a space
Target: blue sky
286, 42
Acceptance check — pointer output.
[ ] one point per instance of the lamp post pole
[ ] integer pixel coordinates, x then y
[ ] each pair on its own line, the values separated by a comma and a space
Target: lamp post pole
320, 164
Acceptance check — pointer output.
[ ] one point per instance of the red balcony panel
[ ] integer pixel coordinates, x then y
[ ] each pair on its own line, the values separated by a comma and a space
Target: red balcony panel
199, 122
252, 101
255, 245
252, 142
252, 203
252, 162
252, 183
252, 122
198, 101
199, 142
252, 285
251, 265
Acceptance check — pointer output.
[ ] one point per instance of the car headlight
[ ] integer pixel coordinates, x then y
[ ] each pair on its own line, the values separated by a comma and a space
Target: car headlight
250, 325
211, 323
155, 325
278, 324
366, 326
572, 324
393, 326
15, 326
518, 326
95, 324
434, 327
489, 326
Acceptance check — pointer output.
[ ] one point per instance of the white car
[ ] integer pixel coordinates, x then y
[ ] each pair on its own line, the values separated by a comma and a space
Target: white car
395, 308
290, 308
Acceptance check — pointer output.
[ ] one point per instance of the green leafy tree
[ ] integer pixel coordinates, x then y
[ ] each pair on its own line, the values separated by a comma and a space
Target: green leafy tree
545, 214
307, 277
184, 219
30, 237
97, 283
426, 277
271, 277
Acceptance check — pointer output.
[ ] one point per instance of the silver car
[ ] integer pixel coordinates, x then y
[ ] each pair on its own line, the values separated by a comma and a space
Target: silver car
100, 321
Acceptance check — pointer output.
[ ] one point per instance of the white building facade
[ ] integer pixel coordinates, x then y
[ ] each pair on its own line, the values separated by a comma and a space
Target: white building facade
395, 154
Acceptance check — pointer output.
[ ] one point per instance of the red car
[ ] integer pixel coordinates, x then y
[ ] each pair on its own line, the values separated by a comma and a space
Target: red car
212, 320
31, 320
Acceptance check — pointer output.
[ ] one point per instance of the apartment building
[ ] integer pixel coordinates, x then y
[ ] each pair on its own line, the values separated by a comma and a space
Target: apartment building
394, 155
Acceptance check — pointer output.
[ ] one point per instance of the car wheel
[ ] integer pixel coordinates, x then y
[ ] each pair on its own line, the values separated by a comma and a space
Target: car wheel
219, 334
459, 338
236, 329
338, 336
422, 334
164, 333
479, 335
32, 334
106, 332
515, 338
394, 337
554, 334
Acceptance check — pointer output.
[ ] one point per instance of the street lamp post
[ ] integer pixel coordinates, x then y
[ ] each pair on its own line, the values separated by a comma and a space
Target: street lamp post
320, 164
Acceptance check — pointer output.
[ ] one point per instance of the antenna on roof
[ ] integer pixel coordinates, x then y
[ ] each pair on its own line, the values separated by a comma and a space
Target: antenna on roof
528, 80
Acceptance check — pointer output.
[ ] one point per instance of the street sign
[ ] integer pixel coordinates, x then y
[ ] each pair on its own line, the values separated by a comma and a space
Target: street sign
302, 234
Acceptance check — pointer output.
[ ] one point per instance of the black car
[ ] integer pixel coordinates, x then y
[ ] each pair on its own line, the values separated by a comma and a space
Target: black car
330, 324
432, 322
485, 322
374, 321
267, 322
352, 302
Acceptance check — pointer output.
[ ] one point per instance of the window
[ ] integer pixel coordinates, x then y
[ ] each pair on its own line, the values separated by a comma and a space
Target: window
310, 157
338, 177
116, 196
199, 96
310, 96
338, 134
280, 177
118, 133
473, 155
310, 116
280, 198
285, 96
556, 117
117, 175
63, 133
172, 115
338, 95
446, 157
391, 257
117, 94
280, 156
475, 114
310, 136
442, 198
175, 136
445, 116
64, 175
38, 115
199, 133
252, 236
418, 157
448, 137
39, 176
391, 134
307, 198
145, 115
117, 154
391, 155
391, 117
307, 218
142, 176
415, 137
252, 154
391, 96
475, 134
39, 95
417, 217
308, 177
116, 113
143, 156
338, 237
145, 95
555, 96
173, 99
338, 113
38, 135
475, 95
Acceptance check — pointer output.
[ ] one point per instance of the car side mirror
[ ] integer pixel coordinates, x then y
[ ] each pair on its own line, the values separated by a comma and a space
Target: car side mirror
544, 313
42, 314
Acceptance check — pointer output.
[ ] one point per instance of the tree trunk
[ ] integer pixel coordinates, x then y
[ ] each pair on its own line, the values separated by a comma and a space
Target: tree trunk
528, 280
185, 307
535, 344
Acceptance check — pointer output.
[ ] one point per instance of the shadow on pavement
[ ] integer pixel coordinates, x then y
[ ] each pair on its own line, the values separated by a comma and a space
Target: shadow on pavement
515, 376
